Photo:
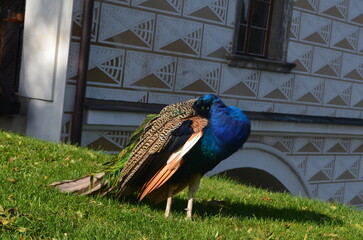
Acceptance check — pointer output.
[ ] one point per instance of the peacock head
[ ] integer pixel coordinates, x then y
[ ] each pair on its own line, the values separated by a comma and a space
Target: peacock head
202, 105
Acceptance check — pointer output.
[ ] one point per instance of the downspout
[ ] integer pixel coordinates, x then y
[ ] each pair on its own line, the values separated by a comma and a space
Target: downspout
77, 116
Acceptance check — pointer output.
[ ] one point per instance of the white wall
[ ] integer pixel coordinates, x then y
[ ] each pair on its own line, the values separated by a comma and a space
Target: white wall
47, 32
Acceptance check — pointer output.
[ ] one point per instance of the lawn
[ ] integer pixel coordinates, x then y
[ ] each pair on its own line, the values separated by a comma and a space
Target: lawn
224, 209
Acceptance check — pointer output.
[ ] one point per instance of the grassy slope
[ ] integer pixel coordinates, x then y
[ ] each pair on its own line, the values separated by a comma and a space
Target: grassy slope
223, 209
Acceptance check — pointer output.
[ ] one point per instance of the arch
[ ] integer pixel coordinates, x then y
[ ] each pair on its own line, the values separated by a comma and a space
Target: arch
256, 177
266, 158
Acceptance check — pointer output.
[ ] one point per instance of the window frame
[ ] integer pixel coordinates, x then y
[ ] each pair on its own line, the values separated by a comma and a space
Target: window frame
250, 27
276, 53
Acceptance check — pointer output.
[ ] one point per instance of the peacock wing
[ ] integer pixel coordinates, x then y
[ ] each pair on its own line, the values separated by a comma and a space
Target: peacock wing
171, 166
153, 139
114, 167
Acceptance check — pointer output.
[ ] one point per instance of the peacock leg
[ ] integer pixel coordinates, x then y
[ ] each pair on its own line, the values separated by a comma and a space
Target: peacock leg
168, 203
193, 188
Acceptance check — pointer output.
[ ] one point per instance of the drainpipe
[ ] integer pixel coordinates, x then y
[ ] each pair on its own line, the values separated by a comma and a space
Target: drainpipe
77, 117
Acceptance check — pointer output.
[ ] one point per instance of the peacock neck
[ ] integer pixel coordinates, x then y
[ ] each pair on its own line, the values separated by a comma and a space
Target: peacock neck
228, 129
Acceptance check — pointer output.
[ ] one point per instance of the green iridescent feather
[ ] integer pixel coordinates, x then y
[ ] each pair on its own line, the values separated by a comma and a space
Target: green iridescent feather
113, 168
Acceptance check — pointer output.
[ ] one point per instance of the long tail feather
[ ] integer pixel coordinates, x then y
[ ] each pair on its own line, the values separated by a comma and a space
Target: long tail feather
172, 165
85, 185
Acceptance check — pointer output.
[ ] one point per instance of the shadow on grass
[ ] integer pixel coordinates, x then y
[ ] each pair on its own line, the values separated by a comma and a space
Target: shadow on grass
243, 210
207, 209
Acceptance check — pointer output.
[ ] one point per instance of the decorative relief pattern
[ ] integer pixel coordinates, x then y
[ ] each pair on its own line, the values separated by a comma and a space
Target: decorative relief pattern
280, 88
295, 25
217, 42
206, 10
347, 168
111, 141
357, 96
126, 27
308, 145
168, 6
300, 163
105, 65
338, 93
331, 177
352, 67
327, 62
284, 144
344, 36
334, 8
239, 83
73, 58
198, 76
77, 17
149, 71
356, 146
338, 196
302, 56
336, 146
315, 29
354, 194
356, 12
309, 89
309, 5
178, 36
320, 169
193, 36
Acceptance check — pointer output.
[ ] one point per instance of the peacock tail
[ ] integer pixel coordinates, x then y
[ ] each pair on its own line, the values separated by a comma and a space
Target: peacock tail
169, 151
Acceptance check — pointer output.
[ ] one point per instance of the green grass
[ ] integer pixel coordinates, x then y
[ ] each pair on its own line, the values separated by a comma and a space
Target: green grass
224, 209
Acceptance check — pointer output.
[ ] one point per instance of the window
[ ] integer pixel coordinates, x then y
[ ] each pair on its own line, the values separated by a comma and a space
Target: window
254, 27
260, 40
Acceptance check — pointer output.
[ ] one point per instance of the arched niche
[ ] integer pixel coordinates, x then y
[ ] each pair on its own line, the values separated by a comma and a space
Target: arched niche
256, 177
270, 160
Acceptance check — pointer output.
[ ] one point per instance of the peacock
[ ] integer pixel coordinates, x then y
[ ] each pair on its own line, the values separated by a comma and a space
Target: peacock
170, 151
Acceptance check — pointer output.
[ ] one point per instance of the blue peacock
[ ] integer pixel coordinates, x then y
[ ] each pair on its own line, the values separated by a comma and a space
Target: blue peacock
170, 151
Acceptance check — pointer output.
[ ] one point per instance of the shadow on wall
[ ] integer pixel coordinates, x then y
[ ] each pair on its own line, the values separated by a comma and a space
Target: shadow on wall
256, 178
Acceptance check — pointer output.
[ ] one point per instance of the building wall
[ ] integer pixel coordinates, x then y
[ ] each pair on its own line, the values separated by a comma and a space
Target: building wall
44, 66
169, 51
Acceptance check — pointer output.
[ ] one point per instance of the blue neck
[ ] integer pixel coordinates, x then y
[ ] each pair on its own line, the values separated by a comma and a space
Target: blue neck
227, 130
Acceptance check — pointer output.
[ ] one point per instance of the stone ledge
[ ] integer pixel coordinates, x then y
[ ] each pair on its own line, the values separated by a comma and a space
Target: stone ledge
243, 61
